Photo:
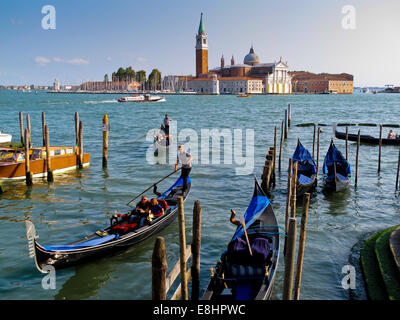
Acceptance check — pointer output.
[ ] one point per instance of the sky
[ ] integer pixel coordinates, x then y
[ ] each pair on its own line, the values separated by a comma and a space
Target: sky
95, 37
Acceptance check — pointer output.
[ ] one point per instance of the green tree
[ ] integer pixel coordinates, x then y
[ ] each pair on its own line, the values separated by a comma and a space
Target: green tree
141, 76
129, 73
154, 79
121, 74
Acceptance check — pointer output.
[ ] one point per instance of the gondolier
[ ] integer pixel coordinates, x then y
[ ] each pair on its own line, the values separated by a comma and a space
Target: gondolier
186, 159
166, 127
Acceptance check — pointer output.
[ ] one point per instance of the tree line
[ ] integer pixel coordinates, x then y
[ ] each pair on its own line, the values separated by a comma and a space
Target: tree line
151, 82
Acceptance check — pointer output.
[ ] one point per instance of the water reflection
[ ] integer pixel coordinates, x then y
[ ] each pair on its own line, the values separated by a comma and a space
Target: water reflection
87, 281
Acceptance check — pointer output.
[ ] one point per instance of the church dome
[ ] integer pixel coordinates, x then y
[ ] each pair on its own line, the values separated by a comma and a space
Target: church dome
251, 58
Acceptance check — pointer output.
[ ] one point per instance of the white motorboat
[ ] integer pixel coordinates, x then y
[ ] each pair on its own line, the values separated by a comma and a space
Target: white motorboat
142, 98
5, 138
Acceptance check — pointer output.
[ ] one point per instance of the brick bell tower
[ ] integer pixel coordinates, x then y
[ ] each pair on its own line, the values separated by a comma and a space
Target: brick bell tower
201, 50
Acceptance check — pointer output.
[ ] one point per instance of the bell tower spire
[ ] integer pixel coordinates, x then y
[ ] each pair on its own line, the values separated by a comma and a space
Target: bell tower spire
201, 49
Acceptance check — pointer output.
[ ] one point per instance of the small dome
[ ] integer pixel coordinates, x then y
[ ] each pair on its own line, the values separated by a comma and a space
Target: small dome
251, 58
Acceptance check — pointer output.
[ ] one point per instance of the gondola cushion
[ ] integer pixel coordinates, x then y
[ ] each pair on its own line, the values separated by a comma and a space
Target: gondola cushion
243, 271
238, 252
124, 227
304, 179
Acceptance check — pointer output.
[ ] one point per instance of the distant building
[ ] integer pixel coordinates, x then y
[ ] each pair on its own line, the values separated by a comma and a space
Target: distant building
307, 82
56, 85
249, 77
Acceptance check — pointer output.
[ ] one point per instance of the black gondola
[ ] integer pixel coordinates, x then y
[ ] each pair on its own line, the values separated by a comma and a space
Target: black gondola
337, 169
306, 169
240, 275
366, 138
116, 237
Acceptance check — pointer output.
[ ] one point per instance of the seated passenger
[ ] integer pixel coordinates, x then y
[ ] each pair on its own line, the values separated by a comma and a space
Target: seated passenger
155, 208
391, 135
140, 212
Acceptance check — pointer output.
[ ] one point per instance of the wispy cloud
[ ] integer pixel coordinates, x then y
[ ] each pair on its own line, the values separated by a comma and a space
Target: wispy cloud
14, 21
42, 61
141, 59
77, 61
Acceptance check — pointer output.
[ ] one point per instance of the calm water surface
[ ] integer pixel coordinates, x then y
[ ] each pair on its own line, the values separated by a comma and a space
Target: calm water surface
81, 202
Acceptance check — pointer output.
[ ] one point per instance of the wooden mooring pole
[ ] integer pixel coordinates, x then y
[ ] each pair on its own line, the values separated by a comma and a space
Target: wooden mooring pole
380, 149
28, 126
77, 128
294, 189
288, 194
357, 157
182, 245
302, 245
159, 270
50, 177
398, 169
289, 115
28, 173
21, 127
80, 144
196, 248
161, 283
280, 147
286, 124
274, 157
44, 128
313, 141
289, 260
105, 129
318, 139
347, 143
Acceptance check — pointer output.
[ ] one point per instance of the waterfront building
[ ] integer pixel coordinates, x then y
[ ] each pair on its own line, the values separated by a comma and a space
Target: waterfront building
307, 82
249, 77
56, 85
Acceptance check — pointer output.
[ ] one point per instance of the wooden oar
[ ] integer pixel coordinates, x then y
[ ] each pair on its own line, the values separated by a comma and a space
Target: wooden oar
154, 184
245, 232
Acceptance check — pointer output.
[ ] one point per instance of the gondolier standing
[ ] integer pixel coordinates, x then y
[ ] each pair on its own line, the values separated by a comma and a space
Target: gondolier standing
166, 126
186, 159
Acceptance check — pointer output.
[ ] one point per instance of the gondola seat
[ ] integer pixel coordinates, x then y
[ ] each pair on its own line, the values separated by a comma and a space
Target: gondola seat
123, 228
304, 179
239, 262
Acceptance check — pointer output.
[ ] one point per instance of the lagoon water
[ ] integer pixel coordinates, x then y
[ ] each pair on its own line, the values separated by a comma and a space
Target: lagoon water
80, 202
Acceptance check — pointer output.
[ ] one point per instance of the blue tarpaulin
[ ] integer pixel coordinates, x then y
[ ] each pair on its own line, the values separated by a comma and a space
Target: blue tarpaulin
256, 207
335, 156
304, 159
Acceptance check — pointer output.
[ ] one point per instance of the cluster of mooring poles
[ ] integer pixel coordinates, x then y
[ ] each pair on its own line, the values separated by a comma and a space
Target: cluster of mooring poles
291, 234
161, 283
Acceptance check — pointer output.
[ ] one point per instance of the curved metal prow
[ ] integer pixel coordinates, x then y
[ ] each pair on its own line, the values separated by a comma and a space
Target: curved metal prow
32, 236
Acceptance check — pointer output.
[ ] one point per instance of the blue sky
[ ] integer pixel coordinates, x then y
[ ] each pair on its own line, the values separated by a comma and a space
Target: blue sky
94, 37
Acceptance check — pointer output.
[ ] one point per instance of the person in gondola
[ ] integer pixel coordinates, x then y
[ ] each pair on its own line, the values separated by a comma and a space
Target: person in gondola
141, 211
391, 135
155, 209
166, 126
186, 159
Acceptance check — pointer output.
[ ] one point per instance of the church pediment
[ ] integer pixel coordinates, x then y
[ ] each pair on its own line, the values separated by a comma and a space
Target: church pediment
281, 64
